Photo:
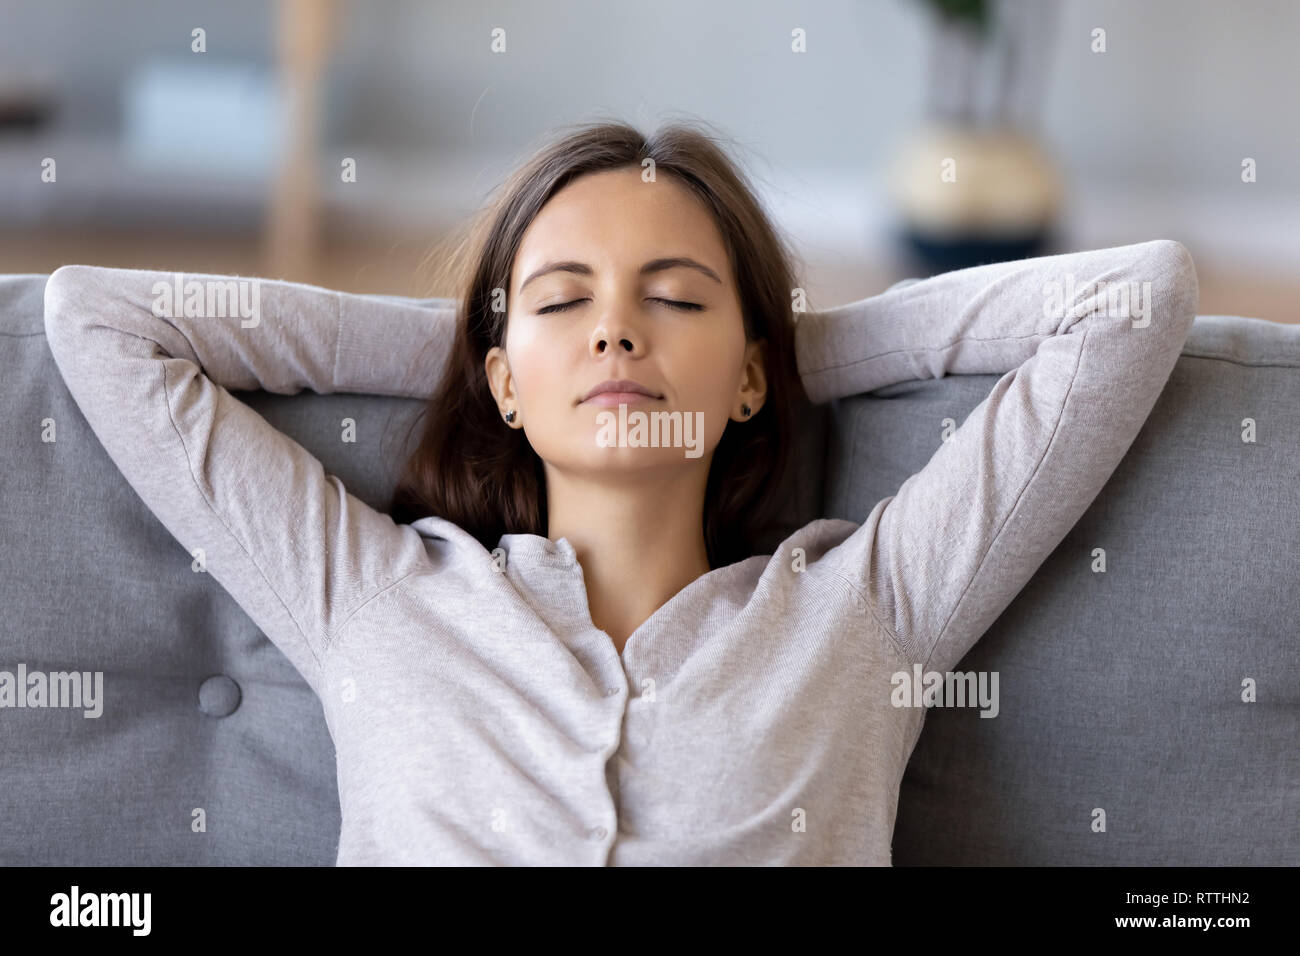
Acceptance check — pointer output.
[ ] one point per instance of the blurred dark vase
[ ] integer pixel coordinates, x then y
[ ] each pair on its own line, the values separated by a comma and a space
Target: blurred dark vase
964, 196
931, 255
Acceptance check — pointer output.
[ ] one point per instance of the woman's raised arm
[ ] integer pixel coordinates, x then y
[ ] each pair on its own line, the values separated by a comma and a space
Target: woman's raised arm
150, 372
1086, 340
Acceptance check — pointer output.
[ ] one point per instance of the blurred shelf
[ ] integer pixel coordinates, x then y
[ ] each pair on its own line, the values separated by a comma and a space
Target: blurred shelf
100, 186
107, 209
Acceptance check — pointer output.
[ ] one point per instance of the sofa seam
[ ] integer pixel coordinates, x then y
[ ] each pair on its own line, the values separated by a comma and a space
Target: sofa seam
1212, 356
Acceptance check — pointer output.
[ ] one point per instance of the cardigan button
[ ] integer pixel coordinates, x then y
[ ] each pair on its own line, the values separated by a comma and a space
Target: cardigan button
219, 696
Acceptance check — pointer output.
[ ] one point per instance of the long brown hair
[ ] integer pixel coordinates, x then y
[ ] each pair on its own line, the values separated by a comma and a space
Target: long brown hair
470, 468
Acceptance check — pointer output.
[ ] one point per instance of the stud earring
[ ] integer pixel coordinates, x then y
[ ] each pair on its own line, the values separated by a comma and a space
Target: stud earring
744, 410
510, 416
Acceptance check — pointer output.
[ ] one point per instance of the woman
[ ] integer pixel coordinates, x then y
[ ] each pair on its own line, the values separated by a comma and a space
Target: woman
562, 651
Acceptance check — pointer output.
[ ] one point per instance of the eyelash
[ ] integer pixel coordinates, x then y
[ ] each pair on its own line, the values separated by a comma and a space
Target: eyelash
671, 303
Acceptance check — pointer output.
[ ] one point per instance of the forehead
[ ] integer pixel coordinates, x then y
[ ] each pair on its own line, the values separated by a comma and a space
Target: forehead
613, 220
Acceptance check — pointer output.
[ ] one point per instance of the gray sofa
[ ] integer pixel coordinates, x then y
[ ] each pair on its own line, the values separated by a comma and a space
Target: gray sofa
1120, 691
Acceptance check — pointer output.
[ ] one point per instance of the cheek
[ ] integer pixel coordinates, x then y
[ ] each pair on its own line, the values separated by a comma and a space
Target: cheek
706, 368
534, 363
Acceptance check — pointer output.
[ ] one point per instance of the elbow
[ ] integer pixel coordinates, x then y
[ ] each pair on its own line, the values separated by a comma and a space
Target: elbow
61, 288
64, 279
1175, 289
72, 297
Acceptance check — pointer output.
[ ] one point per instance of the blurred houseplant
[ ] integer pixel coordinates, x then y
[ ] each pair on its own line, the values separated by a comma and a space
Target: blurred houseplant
972, 185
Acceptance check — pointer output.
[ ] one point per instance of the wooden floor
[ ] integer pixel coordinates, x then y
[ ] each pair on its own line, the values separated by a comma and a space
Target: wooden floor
392, 266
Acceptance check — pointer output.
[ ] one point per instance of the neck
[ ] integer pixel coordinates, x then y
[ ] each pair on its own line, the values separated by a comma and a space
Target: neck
639, 539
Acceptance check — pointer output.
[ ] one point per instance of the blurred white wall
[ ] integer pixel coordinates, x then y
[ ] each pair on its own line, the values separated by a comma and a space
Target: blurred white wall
1150, 134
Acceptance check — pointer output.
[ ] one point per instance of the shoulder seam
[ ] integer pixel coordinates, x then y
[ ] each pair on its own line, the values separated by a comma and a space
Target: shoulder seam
366, 600
904, 646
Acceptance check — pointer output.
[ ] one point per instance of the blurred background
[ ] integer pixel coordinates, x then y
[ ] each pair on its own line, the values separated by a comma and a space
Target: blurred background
335, 141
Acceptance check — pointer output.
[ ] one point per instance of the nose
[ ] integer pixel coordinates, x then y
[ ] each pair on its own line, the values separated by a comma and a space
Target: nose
602, 339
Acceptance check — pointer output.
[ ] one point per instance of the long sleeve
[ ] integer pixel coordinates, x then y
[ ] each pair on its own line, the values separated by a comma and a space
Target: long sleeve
1086, 340
286, 540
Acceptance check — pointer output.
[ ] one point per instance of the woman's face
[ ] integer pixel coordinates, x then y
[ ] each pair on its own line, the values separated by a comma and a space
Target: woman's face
590, 246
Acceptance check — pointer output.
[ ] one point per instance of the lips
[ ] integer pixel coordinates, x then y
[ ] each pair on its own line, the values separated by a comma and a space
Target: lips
619, 391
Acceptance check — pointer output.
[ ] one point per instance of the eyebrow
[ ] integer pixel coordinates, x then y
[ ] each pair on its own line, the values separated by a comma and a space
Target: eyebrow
653, 266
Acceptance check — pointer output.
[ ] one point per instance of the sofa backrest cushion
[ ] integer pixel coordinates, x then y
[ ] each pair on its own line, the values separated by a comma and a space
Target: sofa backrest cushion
1119, 691
1124, 693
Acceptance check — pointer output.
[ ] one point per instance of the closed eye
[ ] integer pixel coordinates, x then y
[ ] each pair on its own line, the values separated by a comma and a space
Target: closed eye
684, 306
671, 303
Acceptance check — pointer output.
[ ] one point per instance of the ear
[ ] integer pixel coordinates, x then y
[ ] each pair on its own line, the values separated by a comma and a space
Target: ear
753, 382
502, 383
